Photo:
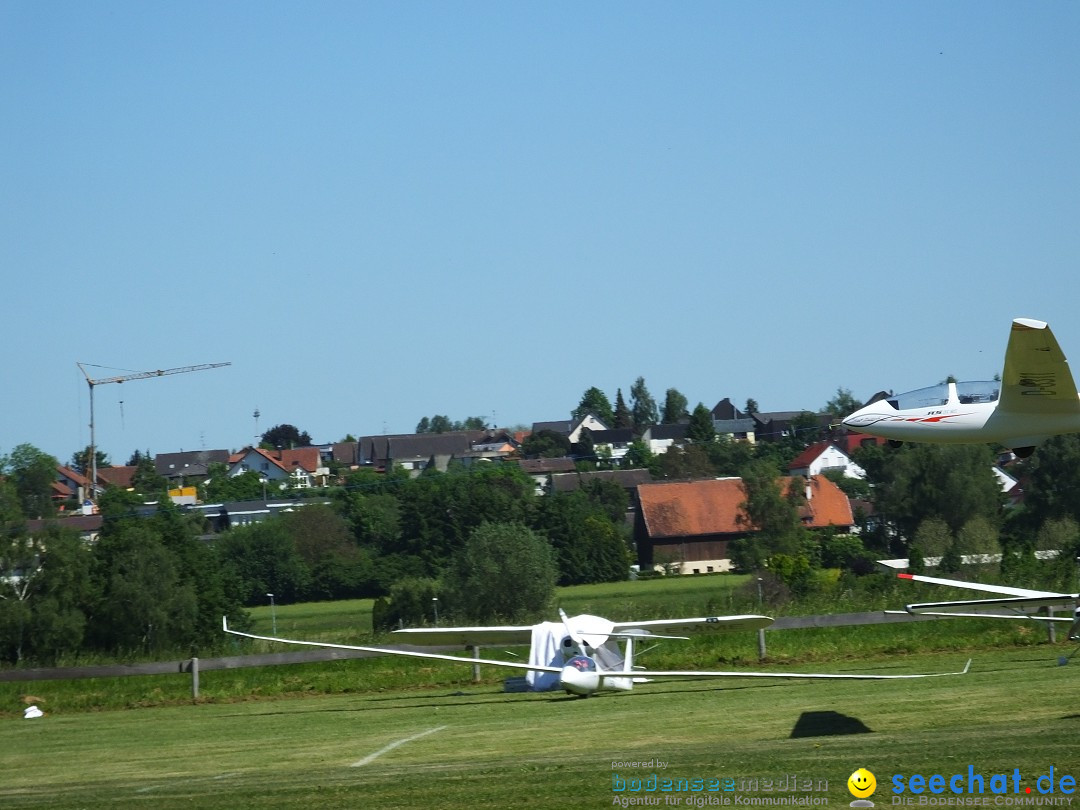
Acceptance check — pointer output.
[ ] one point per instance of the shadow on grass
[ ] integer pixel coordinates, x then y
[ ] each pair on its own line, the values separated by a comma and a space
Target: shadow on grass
828, 724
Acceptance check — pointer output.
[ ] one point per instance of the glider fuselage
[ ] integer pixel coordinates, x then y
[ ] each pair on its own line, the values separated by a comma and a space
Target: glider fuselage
954, 418
1036, 398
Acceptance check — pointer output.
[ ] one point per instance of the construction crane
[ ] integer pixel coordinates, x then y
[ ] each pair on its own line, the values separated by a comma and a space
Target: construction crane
139, 375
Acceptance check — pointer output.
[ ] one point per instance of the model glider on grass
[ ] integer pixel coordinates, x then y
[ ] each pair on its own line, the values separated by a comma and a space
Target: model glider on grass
1012, 603
1035, 399
581, 654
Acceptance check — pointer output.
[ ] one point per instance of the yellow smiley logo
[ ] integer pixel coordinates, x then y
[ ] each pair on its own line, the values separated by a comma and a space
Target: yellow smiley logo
861, 783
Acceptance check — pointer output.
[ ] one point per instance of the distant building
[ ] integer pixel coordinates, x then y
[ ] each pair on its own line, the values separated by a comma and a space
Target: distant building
822, 457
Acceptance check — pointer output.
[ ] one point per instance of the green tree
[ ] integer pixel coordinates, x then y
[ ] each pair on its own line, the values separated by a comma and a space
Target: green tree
688, 462
339, 569
144, 605
952, 482
675, 407
80, 460
286, 437
804, 430
610, 497
61, 595
247, 486
639, 456
1061, 535
845, 551
439, 511
934, 538
1052, 489
441, 424
700, 429
729, 456
504, 573
642, 406
588, 545
145, 480
374, 518
594, 401
413, 603
772, 514
842, 404
978, 537
262, 558
624, 418
33, 474
12, 522
852, 487
585, 447
546, 444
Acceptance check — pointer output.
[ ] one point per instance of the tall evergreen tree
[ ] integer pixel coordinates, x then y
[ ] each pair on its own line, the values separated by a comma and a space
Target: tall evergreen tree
675, 407
623, 417
700, 430
642, 406
595, 401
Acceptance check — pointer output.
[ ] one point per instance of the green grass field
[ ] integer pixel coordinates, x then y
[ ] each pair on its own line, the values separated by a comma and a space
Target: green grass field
475, 746
398, 733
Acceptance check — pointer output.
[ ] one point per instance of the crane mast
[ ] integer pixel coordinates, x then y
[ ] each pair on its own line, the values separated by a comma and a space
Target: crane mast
138, 375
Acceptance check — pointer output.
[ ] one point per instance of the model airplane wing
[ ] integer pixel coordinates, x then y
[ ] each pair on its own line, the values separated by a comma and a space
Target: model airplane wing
690, 673
464, 636
1015, 607
389, 651
1003, 590
1036, 379
603, 675
708, 624
1015, 603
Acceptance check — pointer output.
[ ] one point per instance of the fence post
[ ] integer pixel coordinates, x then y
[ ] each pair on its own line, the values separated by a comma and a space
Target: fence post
1052, 629
475, 667
761, 643
194, 678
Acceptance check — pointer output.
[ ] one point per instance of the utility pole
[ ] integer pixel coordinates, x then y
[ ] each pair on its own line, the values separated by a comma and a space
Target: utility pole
140, 375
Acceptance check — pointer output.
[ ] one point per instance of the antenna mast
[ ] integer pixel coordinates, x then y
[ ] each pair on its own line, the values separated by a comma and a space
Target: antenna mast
140, 375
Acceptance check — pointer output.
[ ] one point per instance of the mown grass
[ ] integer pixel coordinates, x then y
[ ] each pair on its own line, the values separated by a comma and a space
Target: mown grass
485, 749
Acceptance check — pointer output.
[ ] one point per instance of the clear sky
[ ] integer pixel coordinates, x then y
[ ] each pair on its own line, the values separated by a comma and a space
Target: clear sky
379, 211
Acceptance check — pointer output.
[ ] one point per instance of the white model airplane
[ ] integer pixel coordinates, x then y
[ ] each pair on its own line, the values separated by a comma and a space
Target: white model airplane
580, 655
1035, 399
1013, 603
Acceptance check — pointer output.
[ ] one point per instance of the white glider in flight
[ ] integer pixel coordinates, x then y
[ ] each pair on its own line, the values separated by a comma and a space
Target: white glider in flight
1035, 399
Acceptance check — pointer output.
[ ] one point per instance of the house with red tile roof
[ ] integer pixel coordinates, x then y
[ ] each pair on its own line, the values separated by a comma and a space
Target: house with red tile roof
116, 476
300, 467
70, 485
690, 523
822, 456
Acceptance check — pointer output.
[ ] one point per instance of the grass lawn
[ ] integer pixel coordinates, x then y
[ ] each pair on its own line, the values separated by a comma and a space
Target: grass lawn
475, 746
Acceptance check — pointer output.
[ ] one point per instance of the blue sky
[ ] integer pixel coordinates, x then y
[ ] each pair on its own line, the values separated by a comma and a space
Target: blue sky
383, 211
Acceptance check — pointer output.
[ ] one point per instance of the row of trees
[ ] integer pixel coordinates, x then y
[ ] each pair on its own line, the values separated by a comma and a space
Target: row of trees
153, 584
